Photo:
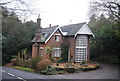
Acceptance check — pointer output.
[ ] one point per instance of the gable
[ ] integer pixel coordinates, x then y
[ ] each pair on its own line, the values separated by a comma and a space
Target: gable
58, 28
85, 30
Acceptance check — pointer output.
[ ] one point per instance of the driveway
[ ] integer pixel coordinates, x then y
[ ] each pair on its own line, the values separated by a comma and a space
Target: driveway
105, 71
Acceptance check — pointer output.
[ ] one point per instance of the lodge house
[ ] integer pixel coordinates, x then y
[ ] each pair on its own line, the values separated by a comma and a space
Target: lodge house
76, 36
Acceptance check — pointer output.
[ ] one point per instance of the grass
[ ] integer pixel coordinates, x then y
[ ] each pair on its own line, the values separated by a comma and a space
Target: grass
23, 68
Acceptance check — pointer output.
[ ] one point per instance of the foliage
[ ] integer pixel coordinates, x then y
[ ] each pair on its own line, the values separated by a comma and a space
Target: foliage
49, 71
58, 61
88, 68
43, 64
35, 61
64, 52
97, 23
16, 35
70, 70
106, 44
22, 63
84, 63
23, 68
49, 51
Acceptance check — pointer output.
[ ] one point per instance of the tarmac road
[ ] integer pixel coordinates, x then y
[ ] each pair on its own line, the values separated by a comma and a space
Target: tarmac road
105, 71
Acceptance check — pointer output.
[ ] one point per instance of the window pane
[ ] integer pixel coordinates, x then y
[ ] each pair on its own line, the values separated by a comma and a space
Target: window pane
81, 54
57, 52
81, 40
56, 37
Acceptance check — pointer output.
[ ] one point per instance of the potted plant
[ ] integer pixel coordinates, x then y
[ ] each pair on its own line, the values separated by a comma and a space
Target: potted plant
84, 63
70, 68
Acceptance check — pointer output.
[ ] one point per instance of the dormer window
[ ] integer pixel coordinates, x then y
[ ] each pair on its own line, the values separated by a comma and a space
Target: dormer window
57, 37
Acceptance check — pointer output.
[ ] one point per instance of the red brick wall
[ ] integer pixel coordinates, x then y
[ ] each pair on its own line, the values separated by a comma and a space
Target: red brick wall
33, 50
70, 41
88, 51
50, 43
54, 43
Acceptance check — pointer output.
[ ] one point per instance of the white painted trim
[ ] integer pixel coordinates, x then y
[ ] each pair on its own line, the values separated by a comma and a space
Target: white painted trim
81, 46
90, 32
57, 34
53, 33
65, 33
56, 48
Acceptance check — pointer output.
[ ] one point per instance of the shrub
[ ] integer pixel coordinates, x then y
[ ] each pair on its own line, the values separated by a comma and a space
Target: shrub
49, 71
35, 62
70, 70
90, 68
20, 62
43, 64
28, 64
83, 62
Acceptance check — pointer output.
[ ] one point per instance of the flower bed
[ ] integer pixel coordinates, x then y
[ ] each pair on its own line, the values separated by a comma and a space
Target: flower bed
73, 67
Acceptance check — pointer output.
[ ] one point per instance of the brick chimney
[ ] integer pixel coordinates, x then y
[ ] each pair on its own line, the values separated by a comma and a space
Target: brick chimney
49, 25
38, 35
39, 24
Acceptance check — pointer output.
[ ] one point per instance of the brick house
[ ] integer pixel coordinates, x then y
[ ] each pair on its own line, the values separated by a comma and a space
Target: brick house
76, 36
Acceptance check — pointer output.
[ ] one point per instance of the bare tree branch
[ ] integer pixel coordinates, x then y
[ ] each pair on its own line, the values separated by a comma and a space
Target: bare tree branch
112, 6
6, 2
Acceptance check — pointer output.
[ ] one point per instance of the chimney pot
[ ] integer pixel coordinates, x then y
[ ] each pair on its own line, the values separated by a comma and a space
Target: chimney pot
49, 25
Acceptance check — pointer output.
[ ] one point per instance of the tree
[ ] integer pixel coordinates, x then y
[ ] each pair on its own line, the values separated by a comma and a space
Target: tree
17, 36
106, 6
22, 8
105, 45
97, 23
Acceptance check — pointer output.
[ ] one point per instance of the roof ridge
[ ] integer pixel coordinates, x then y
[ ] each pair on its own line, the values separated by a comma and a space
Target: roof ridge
52, 26
73, 24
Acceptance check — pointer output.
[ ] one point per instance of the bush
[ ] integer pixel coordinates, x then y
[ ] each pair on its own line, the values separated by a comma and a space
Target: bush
90, 68
70, 70
35, 62
22, 63
43, 64
28, 64
49, 71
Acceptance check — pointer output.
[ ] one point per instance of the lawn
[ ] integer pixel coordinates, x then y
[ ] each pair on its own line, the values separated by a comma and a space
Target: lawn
23, 68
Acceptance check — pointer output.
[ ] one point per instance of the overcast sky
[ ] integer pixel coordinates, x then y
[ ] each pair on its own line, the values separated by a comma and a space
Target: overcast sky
61, 12
57, 12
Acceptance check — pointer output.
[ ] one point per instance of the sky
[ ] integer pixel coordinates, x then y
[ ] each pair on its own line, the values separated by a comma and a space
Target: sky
61, 12
57, 12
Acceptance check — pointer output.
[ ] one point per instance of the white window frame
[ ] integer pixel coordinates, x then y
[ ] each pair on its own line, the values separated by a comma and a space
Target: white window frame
56, 52
57, 37
81, 48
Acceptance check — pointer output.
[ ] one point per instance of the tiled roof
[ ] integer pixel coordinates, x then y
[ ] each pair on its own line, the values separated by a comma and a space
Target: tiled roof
72, 29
